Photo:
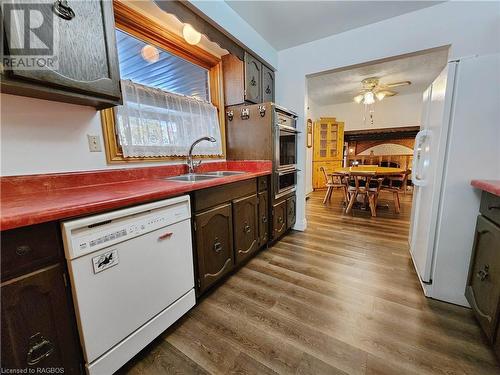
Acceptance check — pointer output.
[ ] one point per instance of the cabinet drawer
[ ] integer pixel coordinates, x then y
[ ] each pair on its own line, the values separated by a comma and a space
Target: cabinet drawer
210, 197
262, 183
28, 248
490, 207
483, 287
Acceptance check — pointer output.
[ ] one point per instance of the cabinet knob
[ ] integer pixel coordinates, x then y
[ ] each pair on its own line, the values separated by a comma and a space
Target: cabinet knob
268, 90
23, 250
247, 228
40, 348
484, 272
253, 82
280, 220
264, 219
217, 247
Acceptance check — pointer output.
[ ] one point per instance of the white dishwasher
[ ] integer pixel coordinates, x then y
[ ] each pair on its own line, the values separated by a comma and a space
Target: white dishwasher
131, 277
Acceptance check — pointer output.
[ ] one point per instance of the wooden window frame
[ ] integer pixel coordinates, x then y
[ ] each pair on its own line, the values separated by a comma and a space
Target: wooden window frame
140, 26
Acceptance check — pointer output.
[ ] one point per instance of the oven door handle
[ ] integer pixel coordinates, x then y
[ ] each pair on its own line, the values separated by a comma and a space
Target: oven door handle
288, 171
288, 129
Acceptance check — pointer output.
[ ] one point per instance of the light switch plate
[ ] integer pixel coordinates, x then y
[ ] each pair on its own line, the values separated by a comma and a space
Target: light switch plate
94, 143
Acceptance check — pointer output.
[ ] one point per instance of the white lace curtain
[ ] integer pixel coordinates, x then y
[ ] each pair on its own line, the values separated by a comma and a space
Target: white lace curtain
152, 122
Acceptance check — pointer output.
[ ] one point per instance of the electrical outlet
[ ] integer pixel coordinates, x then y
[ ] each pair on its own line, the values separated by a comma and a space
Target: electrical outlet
94, 143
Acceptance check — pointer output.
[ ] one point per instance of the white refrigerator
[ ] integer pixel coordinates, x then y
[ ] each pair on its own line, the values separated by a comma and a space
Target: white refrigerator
459, 141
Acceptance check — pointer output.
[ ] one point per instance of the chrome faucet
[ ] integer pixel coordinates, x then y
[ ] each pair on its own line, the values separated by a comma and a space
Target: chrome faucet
192, 165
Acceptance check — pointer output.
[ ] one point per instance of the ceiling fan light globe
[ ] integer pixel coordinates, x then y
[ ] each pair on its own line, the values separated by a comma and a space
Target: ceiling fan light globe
358, 99
380, 95
368, 98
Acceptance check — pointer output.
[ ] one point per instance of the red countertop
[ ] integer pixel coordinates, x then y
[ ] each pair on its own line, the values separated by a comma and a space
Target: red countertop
491, 186
34, 199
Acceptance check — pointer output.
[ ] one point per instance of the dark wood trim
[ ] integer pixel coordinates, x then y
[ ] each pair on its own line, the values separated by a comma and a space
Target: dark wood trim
381, 134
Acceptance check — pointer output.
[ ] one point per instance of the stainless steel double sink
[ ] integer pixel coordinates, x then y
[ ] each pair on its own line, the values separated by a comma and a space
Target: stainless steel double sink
192, 177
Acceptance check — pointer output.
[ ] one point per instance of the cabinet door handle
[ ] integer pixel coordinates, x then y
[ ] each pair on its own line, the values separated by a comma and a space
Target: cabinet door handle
494, 208
253, 82
40, 348
280, 220
268, 90
23, 250
63, 10
217, 247
247, 228
264, 219
484, 272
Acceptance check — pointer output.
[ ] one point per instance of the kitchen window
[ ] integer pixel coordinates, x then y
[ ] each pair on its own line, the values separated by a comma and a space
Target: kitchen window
172, 95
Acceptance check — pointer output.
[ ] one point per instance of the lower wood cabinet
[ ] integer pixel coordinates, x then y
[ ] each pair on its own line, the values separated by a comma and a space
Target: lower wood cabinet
245, 227
214, 244
279, 219
291, 205
263, 217
231, 222
483, 284
37, 323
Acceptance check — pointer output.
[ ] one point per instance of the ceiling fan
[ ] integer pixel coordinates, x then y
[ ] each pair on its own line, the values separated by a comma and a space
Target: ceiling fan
372, 88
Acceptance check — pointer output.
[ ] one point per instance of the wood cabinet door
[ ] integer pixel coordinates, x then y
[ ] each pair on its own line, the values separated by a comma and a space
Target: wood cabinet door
291, 206
38, 328
263, 217
83, 47
483, 287
245, 227
253, 79
279, 219
267, 84
214, 244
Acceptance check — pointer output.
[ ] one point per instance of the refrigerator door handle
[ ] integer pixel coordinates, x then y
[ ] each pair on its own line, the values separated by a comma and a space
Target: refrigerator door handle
421, 157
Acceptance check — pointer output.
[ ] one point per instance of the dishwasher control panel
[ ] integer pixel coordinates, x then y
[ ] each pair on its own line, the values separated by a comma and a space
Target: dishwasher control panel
92, 235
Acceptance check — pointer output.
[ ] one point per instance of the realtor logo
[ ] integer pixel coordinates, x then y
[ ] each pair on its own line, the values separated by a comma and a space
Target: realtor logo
30, 35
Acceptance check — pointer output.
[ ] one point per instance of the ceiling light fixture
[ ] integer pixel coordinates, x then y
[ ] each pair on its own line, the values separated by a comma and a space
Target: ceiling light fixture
190, 34
380, 95
368, 98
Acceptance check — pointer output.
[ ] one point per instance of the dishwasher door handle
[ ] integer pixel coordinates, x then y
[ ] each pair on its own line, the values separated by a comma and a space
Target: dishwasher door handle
165, 236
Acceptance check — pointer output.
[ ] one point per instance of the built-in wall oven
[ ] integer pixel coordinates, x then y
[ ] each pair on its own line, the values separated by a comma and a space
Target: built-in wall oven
285, 149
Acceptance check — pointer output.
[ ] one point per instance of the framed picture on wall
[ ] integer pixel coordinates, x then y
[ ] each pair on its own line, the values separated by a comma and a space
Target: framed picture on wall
309, 133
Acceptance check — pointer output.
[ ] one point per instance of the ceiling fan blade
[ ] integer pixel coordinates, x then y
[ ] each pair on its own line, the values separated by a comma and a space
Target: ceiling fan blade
389, 92
396, 84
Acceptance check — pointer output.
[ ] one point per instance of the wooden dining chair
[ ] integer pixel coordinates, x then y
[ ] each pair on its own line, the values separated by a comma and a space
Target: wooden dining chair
366, 189
332, 182
395, 190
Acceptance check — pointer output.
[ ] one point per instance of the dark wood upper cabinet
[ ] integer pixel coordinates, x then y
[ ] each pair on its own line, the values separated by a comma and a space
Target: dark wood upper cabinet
37, 323
245, 226
214, 244
87, 70
291, 206
263, 217
279, 219
247, 81
253, 79
267, 84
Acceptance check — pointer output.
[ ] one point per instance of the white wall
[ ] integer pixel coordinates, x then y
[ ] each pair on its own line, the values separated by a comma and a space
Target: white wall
469, 27
41, 136
393, 112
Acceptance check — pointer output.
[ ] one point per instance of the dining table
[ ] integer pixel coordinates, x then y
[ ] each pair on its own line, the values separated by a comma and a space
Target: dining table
372, 171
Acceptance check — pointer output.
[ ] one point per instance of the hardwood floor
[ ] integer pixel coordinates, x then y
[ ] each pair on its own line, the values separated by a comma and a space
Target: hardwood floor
340, 298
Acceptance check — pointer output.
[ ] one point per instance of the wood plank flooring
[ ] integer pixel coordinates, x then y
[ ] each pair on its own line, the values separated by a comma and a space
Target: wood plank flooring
340, 298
